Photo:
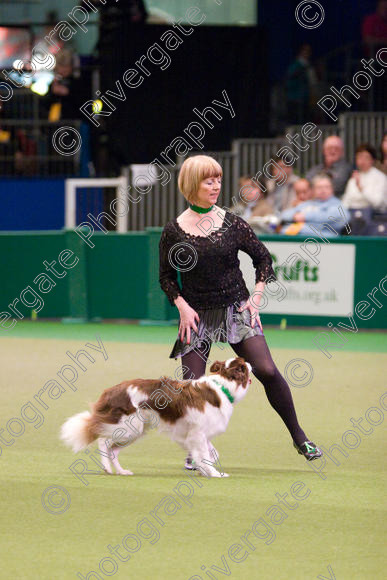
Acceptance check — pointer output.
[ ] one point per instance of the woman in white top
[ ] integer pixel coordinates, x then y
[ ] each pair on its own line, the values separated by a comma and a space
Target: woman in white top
382, 164
368, 185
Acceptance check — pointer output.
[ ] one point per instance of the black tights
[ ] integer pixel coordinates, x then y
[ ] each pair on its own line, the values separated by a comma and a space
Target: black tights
255, 351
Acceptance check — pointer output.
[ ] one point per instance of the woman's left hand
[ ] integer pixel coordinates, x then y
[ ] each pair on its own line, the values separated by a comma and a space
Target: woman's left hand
254, 312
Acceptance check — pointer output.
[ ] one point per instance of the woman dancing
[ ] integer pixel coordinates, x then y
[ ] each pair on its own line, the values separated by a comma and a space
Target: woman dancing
214, 303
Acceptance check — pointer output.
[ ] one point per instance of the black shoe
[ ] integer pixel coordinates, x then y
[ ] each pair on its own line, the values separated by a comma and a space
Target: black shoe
309, 450
189, 463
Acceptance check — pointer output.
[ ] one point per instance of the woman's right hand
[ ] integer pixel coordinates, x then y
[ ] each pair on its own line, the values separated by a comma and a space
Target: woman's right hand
188, 316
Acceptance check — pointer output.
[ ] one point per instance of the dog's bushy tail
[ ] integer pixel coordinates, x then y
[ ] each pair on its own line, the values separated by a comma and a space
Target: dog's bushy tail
76, 432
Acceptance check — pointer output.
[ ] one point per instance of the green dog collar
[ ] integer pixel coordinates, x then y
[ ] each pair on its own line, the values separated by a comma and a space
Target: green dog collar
225, 391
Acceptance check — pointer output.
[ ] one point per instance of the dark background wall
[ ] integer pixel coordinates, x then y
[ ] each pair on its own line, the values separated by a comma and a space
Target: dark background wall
209, 60
241, 60
342, 25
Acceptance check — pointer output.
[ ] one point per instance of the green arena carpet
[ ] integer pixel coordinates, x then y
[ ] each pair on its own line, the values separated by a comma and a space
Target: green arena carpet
324, 519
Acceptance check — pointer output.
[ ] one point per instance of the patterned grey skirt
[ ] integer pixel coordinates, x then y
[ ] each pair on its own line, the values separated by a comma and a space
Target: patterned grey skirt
218, 325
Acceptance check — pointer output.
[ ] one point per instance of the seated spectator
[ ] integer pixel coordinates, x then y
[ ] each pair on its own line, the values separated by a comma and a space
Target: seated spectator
281, 197
316, 212
66, 91
253, 202
334, 164
303, 191
382, 164
367, 186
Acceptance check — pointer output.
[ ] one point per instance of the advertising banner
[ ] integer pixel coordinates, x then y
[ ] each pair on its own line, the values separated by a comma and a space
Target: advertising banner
321, 286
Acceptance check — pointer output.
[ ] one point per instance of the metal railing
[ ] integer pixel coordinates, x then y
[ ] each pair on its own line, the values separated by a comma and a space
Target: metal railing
160, 205
26, 149
24, 104
247, 157
356, 128
250, 155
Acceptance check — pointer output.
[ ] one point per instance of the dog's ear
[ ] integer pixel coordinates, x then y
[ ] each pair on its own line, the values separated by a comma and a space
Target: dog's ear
238, 371
216, 366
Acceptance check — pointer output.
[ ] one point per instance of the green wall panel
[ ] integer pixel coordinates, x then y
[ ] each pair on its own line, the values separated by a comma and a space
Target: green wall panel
21, 260
117, 275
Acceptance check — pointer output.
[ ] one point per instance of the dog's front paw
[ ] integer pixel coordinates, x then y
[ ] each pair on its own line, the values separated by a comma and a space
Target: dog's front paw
108, 470
224, 475
125, 472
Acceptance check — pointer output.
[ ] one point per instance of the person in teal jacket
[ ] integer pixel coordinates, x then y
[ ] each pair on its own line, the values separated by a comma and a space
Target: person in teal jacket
307, 217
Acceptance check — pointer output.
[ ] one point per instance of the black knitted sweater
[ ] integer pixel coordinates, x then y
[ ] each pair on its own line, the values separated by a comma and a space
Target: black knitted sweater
209, 265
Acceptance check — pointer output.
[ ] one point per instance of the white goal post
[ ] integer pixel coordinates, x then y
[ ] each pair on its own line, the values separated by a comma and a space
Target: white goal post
71, 185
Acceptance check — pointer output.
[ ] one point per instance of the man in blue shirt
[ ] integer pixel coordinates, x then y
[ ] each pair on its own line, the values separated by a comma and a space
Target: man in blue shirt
313, 216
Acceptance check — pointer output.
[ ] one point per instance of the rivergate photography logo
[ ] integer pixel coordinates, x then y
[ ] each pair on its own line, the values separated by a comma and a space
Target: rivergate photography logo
56, 499
158, 54
361, 80
72, 144
182, 257
310, 14
52, 390
32, 297
42, 54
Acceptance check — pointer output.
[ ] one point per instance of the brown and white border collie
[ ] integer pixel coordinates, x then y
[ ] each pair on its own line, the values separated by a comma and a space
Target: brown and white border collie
192, 412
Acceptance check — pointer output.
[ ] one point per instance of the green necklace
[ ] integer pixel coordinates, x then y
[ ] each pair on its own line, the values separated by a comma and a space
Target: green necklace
225, 391
199, 209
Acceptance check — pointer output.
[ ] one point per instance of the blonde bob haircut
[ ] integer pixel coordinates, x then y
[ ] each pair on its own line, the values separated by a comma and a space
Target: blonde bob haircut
193, 171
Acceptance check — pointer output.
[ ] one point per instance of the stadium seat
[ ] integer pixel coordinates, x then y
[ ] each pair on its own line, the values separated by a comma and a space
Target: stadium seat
360, 221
